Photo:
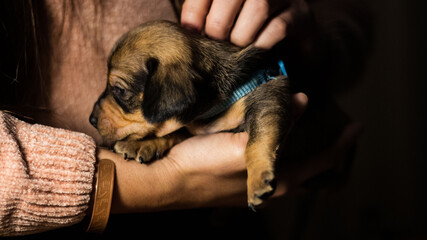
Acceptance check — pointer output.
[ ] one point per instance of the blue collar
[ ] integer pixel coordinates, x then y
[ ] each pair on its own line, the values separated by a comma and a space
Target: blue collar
260, 77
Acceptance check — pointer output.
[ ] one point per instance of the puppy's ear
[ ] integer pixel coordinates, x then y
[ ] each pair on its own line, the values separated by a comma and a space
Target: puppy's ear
152, 64
169, 92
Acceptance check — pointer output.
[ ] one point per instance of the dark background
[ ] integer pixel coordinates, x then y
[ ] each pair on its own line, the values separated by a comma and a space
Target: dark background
385, 194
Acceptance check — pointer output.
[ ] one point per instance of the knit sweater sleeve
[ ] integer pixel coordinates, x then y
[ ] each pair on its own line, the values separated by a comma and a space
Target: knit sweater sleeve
46, 176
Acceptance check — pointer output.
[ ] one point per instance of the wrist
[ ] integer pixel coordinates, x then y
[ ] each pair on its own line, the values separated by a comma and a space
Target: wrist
101, 196
169, 182
143, 187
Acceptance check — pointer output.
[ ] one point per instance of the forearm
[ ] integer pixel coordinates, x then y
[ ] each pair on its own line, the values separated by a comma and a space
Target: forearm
203, 171
46, 177
141, 187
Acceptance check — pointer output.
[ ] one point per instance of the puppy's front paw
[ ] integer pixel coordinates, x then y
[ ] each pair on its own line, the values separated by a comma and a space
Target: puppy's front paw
261, 185
127, 149
150, 150
141, 151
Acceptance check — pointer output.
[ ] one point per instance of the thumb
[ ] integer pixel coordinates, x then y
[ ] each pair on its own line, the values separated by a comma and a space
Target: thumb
213, 151
220, 145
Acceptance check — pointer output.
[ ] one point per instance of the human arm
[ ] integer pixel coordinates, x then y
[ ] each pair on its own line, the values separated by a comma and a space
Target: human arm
46, 176
202, 171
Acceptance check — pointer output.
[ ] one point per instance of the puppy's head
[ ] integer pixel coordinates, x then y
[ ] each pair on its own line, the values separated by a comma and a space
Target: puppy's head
151, 82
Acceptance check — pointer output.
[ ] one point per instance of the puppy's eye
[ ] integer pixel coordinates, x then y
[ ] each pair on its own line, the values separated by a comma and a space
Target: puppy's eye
120, 92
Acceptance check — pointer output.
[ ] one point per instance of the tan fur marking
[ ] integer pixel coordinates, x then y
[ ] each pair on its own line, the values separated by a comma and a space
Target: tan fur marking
114, 124
230, 120
168, 127
260, 166
260, 158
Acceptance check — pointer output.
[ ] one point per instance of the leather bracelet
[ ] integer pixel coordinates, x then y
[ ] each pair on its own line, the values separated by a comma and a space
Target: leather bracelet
105, 173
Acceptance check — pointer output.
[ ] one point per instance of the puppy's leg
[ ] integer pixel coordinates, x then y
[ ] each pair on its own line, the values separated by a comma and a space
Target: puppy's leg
267, 122
146, 150
260, 159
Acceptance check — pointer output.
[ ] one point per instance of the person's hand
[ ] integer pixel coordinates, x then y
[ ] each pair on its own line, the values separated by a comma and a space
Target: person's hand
202, 171
262, 22
217, 164
205, 171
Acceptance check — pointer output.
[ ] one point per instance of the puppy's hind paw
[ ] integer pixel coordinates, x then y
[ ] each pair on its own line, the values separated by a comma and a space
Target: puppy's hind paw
261, 188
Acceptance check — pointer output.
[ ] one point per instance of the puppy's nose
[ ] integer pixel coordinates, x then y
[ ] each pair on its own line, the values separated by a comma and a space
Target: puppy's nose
93, 120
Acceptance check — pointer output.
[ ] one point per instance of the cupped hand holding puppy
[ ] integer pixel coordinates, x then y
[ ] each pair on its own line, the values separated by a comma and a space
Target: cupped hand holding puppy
209, 170
203, 171
262, 22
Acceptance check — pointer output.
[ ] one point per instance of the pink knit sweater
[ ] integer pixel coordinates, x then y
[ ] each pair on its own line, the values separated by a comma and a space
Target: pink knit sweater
46, 176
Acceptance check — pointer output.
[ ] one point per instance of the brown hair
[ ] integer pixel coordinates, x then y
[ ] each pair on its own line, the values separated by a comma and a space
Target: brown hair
24, 55
25, 33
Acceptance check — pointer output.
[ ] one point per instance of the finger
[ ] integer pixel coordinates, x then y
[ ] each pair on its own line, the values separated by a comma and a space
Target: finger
299, 104
274, 31
194, 13
250, 20
228, 147
221, 17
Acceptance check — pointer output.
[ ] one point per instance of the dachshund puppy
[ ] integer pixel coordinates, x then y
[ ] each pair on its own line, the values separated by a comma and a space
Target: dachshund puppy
163, 79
